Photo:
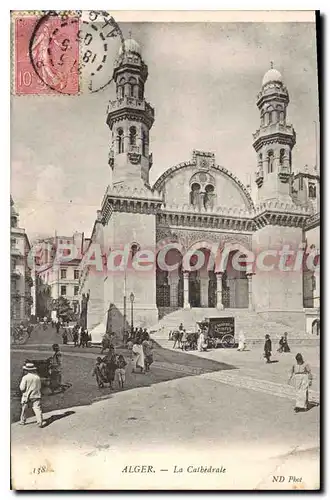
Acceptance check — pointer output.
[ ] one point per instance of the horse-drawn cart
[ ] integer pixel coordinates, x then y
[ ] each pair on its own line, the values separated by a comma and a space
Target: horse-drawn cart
219, 331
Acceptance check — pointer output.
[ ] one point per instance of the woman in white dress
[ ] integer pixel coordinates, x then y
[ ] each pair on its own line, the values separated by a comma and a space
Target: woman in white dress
241, 341
138, 357
201, 343
302, 377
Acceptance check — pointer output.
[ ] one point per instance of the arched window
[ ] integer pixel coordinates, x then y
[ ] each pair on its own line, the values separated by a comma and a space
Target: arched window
209, 196
278, 112
134, 249
144, 143
270, 114
141, 91
270, 161
120, 140
274, 116
121, 88
316, 327
132, 84
282, 155
132, 136
266, 119
260, 159
312, 190
281, 116
195, 194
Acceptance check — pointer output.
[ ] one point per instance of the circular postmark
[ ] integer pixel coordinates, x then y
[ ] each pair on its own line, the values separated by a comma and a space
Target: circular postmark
71, 51
97, 52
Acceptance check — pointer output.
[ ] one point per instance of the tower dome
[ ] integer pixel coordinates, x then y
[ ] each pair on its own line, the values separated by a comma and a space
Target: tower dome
272, 75
130, 46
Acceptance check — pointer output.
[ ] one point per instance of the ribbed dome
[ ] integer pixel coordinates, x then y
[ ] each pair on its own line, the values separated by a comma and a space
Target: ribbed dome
130, 46
272, 75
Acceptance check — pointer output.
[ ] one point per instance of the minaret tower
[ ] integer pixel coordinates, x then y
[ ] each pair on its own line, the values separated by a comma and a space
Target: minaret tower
274, 140
130, 118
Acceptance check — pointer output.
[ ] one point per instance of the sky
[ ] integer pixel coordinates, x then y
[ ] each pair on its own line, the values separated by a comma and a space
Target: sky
203, 81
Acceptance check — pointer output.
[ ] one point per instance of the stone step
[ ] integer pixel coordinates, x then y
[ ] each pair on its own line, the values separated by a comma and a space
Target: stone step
253, 325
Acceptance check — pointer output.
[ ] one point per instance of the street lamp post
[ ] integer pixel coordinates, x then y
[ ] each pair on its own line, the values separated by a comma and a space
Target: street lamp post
132, 297
124, 315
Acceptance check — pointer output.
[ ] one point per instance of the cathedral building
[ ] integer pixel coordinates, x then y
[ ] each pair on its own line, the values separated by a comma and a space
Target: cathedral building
193, 208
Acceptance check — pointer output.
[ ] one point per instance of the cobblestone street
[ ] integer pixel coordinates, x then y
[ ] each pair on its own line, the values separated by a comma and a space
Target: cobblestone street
223, 398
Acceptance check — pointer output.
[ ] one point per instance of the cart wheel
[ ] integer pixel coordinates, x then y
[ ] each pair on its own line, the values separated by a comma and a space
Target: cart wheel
228, 341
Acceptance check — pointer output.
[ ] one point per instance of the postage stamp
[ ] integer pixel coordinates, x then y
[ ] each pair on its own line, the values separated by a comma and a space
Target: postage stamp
64, 53
46, 55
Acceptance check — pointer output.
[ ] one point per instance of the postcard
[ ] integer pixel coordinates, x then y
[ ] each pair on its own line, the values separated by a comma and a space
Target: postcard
165, 250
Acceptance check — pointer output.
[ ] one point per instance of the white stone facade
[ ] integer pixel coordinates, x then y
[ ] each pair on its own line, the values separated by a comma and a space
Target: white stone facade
196, 204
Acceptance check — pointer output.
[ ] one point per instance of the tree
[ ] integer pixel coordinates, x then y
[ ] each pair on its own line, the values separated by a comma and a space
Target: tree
64, 309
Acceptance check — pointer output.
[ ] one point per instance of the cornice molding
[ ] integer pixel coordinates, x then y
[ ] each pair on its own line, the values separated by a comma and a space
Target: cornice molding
120, 198
312, 222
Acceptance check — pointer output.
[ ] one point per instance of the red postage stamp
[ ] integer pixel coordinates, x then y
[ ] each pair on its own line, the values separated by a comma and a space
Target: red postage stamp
46, 57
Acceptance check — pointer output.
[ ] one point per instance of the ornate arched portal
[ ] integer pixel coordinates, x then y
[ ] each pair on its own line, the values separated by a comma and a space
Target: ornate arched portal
193, 280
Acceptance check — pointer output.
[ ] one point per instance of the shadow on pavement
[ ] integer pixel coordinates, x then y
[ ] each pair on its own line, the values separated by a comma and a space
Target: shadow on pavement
77, 371
312, 404
53, 418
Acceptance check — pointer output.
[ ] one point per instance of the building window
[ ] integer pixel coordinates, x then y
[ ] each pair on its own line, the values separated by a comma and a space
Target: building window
282, 154
311, 190
76, 290
270, 161
132, 136
121, 88
195, 195
76, 274
301, 183
120, 139
144, 143
270, 115
63, 290
141, 91
313, 283
13, 242
63, 274
132, 85
134, 249
209, 196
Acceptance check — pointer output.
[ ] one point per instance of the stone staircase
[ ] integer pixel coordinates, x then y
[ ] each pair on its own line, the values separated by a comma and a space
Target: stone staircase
250, 322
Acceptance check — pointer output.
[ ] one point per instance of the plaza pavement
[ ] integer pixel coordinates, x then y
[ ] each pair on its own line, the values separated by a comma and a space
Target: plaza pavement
241, 419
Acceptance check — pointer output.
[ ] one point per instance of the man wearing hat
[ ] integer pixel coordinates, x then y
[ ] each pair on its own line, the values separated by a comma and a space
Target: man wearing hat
30, 387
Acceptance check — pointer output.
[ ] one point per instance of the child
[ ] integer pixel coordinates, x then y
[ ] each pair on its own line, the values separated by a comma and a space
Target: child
100, 371
120, 370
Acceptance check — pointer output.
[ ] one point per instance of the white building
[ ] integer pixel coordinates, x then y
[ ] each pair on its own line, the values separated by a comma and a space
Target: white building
63, 278
21, 280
